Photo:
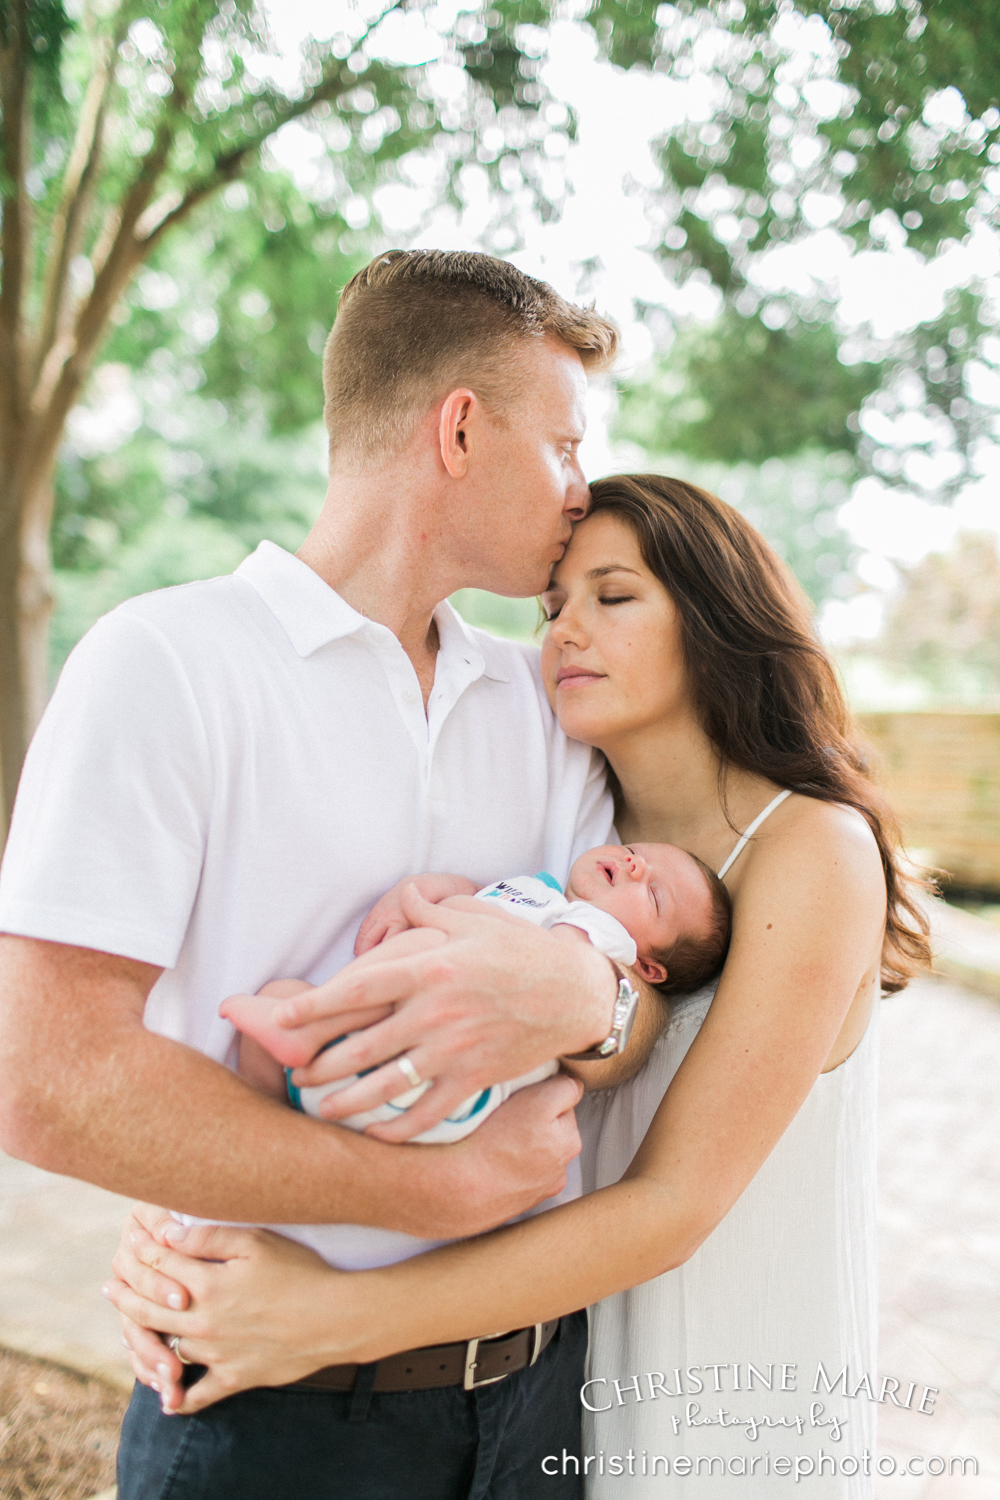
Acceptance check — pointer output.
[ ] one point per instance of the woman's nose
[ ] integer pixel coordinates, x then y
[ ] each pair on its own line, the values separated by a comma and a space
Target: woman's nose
566, 629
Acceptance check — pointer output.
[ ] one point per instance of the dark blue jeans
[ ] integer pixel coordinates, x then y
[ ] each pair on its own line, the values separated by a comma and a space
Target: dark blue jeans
447, 1444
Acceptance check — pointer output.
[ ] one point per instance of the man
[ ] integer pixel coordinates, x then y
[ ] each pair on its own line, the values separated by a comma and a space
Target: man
231, 773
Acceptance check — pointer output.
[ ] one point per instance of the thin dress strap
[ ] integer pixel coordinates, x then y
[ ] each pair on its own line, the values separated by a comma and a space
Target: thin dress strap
746, 837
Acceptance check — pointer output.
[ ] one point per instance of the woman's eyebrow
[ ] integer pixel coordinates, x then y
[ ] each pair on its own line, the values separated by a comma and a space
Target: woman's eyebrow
612, 568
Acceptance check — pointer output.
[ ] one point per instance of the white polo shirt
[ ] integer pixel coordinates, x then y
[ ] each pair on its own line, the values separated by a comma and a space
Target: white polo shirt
231, 773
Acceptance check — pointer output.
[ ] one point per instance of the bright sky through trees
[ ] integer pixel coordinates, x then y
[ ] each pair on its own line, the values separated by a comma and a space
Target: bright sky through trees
600, 246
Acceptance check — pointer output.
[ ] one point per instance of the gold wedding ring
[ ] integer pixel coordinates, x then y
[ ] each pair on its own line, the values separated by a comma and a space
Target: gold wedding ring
174, 1343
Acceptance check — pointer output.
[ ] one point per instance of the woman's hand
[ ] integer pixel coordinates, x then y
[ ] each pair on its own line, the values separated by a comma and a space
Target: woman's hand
153, 1362
250, 1312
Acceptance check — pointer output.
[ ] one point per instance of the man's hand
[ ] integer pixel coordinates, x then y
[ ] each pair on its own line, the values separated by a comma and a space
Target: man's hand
516, 1159
387, 917
489, 1001
296, 1046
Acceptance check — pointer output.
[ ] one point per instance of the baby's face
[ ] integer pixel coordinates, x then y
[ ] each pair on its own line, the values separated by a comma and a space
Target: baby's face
656, 891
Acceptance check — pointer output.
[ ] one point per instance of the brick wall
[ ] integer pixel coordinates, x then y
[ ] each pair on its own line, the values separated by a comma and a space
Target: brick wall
942, 773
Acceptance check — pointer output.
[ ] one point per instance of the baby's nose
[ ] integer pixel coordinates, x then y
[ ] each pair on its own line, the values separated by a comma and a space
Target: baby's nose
636, 865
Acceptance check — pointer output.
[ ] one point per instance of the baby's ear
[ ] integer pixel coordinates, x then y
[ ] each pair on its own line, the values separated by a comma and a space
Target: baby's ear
651, 971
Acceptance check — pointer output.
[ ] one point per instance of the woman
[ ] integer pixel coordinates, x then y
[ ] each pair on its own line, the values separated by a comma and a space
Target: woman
733, 1177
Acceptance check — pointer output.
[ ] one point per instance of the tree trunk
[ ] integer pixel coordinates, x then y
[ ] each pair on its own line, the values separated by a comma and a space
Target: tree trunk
26, 601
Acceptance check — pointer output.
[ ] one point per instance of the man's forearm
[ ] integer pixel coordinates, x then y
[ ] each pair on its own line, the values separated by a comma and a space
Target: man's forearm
87, 1091
153, 1119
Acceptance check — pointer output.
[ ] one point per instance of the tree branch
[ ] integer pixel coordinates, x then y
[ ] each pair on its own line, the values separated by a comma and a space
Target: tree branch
63, 365
68, 365
16, 232
231, 164
70, 217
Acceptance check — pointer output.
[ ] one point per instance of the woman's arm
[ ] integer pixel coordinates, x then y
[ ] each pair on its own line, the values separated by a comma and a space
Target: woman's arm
806, 940
807, 934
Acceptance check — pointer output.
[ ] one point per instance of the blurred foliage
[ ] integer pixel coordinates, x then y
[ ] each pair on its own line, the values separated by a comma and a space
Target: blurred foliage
830, 99
738, 391
520, 619
879, 120
198, 434
944, 625
923, 426
245, 299
914, 412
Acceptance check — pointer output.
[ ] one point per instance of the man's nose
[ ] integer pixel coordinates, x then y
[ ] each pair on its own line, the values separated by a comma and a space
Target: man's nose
577, 502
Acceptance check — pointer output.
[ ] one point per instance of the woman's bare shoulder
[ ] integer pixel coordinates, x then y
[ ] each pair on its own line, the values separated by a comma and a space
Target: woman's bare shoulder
807, 835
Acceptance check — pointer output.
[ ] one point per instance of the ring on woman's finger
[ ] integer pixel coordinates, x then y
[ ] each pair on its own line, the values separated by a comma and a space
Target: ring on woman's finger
409, 1072
174, 1343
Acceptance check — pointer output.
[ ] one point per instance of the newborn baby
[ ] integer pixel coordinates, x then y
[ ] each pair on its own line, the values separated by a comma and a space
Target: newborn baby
652, 907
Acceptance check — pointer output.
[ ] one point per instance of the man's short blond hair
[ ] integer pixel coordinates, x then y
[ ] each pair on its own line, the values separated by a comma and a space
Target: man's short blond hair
416, 324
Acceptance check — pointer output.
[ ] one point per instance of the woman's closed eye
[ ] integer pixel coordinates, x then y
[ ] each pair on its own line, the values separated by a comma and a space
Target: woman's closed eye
551, 610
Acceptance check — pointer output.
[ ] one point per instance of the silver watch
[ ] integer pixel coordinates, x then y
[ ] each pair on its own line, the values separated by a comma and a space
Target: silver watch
622, 1017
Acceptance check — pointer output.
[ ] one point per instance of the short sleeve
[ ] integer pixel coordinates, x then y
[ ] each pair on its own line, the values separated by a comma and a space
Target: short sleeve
604, 930
109, 826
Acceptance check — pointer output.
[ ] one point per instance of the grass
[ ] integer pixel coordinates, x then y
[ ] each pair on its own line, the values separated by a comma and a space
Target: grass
58, 1431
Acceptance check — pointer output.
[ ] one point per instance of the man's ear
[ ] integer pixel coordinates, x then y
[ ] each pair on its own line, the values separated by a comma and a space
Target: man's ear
651, 971
458, 411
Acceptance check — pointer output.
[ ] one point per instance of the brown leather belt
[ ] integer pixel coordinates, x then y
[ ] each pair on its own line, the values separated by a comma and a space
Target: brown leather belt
478, 1362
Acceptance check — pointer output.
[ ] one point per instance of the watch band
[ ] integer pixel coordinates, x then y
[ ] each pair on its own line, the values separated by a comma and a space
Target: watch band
622, 1017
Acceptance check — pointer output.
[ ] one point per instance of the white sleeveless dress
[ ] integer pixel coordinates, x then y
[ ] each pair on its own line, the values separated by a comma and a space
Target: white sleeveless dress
786, 1283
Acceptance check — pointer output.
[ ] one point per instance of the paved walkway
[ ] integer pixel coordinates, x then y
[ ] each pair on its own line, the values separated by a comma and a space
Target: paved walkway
939, 1232
940, 1243
56, 1240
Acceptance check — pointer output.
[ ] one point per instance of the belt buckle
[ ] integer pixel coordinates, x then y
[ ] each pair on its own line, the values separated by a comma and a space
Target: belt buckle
469, 1381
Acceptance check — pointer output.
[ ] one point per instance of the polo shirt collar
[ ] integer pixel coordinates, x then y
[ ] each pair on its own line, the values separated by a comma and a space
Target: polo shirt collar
458, 641
309, 611
312, 614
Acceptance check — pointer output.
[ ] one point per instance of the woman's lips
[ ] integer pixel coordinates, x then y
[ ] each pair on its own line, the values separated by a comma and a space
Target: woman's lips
570, 677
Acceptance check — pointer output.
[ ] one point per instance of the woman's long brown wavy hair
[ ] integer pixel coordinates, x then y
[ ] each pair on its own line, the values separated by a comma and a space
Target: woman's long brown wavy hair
766, 692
